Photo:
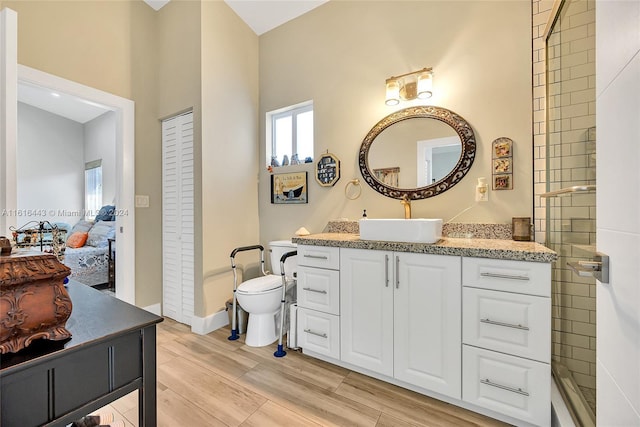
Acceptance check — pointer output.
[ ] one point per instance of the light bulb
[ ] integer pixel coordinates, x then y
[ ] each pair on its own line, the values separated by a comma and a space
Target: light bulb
393, 92
425, 83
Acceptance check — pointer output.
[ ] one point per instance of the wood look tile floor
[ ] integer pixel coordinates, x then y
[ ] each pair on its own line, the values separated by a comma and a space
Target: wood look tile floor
210, 381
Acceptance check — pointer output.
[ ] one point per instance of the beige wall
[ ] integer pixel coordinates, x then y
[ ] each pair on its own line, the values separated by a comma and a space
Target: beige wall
179, 90
87, 42
340, 54
229, 149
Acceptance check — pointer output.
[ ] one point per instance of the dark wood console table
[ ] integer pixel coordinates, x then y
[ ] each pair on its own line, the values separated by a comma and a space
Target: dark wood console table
111, 353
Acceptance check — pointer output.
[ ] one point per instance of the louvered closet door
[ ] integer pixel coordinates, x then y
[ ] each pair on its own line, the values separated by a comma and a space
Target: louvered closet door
177, 218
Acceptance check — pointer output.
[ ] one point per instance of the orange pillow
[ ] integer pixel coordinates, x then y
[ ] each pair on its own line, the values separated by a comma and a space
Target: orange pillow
77, 239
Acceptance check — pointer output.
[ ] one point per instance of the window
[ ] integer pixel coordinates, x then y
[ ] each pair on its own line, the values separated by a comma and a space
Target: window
92, 189
290, 133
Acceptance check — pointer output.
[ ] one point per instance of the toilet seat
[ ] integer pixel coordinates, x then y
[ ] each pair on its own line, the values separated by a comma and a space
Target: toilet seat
260, 285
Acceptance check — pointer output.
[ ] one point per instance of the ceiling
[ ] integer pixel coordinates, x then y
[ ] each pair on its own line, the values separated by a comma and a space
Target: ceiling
260, 15
264, 15
69, 106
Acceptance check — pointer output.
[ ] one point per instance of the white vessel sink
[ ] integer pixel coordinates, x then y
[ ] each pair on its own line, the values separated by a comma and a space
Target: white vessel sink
418, 230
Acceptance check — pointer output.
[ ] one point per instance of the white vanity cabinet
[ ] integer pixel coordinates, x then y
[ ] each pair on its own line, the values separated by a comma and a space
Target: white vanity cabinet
318, 292
507, 337
400, 316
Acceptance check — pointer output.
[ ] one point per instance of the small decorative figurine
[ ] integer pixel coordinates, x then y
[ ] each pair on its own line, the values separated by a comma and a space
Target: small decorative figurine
285, 160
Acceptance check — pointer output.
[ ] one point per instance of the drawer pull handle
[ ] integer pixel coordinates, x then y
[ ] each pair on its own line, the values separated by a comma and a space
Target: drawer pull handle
314, 290
504, 276
315, 256
504, 387
318, 334
386, 271
508, 325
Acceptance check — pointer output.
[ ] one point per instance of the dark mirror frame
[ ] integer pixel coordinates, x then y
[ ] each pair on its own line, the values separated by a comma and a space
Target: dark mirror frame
460, 125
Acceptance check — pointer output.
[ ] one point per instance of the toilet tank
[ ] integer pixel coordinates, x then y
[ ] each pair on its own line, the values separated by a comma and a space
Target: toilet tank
277, 249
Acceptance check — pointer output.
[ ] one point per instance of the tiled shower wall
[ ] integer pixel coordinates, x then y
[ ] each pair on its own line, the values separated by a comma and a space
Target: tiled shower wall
567, 159
541, 10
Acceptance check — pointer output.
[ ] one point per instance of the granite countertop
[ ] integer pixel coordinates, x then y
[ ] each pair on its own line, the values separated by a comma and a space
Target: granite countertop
469, 247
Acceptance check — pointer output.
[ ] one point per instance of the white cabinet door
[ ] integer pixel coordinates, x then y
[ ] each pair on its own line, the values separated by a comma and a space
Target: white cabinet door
427, 307
366, 309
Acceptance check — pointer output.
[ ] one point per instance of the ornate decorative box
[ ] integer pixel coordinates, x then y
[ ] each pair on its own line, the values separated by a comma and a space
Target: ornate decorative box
33, 300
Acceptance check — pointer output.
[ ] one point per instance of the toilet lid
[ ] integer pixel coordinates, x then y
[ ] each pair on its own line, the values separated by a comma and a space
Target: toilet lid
260, 284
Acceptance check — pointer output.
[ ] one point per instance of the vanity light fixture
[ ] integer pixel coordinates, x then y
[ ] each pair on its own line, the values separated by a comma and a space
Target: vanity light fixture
409, 86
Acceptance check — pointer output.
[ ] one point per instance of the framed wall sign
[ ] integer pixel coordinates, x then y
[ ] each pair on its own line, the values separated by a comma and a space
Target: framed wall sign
328, 170
289, 188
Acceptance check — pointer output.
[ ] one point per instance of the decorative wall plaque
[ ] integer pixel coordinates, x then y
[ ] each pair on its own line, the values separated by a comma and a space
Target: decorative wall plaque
502, 163
328, 170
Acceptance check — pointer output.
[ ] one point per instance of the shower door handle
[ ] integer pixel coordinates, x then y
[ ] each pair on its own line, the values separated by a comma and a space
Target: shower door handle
598, 267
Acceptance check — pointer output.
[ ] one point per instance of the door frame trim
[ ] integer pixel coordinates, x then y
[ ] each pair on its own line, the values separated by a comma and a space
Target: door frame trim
125, 167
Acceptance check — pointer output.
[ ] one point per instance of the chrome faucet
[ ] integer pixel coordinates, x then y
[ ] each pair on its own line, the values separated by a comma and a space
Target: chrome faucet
406, 202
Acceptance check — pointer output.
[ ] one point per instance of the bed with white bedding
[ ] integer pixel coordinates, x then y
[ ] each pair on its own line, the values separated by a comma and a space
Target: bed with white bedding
88, 264
89, 260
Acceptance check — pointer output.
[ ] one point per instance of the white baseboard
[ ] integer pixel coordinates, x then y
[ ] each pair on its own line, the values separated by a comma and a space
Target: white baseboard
155, 309
204, 325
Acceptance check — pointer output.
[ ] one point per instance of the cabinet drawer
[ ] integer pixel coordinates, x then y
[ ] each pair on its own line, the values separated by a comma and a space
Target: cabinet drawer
24, 398
319, 289
510, 323
319, 332
533, 278
510, 385
98, 369
319, 256
88, 368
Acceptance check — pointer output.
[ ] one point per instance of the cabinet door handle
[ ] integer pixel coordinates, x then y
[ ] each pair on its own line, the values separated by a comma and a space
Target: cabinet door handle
504, 276
397, 272
318, 334
504, 387
314, 290
508, 325
386, 271
315, 256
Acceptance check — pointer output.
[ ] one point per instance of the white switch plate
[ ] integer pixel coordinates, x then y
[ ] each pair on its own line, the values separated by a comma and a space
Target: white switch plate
142, 201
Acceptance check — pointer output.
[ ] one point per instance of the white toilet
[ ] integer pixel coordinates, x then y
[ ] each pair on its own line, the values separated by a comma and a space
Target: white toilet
261, 297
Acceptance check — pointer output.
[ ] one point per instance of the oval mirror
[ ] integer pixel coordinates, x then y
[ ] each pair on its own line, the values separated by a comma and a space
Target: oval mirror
419, 152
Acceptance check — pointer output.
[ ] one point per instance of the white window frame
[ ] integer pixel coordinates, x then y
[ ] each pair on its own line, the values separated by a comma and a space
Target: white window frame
291, 111
91, 209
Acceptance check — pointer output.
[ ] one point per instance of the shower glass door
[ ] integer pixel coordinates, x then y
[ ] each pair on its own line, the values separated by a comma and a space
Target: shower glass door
571, 202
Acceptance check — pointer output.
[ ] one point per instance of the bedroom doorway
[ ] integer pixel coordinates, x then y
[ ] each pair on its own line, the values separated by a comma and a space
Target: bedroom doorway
125, 168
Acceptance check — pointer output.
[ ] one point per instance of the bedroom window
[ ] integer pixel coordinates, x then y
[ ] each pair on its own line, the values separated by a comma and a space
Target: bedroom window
290, 134
92, 189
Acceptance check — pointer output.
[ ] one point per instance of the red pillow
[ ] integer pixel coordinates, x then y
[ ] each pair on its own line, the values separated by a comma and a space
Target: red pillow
77, 239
